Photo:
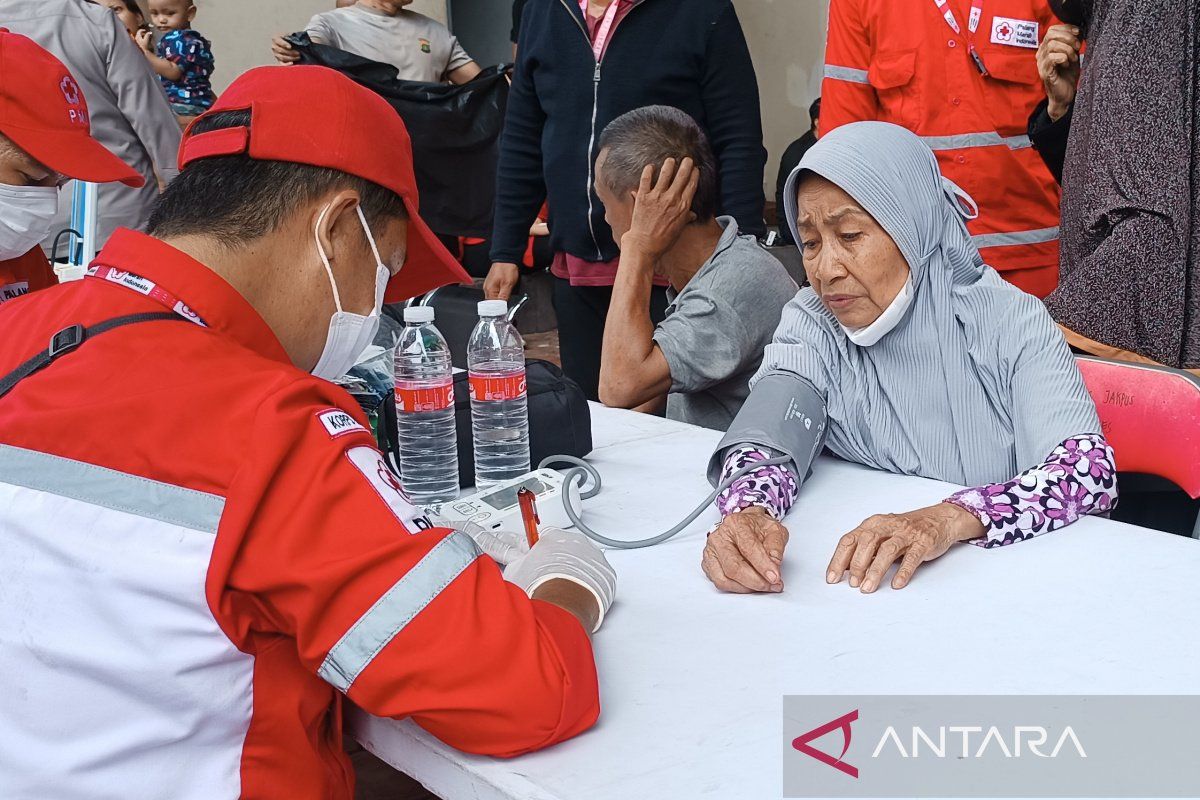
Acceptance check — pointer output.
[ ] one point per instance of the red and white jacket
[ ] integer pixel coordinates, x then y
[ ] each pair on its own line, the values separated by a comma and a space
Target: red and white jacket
201, 552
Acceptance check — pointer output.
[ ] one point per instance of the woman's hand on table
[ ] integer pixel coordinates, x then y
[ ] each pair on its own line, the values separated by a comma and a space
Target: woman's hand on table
743, 555
913, 538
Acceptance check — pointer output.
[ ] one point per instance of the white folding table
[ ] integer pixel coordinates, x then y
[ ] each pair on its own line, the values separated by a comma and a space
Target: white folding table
692, 680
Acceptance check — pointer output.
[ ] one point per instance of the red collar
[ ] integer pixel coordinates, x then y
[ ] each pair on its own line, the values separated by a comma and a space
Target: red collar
221, 307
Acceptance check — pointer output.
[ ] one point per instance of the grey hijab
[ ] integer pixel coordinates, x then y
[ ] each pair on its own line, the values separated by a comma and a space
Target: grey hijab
975, 384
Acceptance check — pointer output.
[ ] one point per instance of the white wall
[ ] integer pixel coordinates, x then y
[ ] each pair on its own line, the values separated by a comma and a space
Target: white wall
787, 43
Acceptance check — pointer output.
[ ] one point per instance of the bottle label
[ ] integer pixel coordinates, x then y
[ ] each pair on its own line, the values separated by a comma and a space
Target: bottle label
493, 387
419, 398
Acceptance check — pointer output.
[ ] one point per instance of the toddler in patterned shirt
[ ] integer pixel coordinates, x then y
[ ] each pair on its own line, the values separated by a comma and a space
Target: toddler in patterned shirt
183, 58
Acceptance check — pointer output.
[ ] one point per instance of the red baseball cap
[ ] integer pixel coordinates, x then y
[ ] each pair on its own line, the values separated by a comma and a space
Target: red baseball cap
317, 116
42, 110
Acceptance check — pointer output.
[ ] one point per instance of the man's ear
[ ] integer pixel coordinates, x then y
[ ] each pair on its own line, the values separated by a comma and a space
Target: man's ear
334, 218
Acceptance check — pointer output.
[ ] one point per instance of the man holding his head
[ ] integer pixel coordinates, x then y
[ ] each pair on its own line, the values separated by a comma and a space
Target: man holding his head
200, 529
657, 177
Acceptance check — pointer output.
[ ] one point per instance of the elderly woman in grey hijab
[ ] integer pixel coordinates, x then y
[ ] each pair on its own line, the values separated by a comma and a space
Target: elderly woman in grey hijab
908, 354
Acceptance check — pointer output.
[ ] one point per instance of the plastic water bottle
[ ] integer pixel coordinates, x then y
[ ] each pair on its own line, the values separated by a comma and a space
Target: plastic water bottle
499, 399
425, 411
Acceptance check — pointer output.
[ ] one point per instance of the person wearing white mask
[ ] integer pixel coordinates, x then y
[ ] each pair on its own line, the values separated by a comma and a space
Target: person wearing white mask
906, 353
199, 525
45, 138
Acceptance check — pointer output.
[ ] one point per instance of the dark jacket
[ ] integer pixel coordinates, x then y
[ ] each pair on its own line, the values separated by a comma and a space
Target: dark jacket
1050, 138
690, 54
1131, 184
787, 165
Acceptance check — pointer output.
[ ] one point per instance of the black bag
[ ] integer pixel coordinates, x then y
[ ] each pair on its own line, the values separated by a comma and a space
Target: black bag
455, 132
560, 420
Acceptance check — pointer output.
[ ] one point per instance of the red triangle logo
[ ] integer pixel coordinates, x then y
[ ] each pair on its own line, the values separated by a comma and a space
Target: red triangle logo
801, 743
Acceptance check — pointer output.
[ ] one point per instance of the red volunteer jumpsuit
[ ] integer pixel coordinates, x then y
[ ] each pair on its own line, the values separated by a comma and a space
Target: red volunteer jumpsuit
899, 61
313, 572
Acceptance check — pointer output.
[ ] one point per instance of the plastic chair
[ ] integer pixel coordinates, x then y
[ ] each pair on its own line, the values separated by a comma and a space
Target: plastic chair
1151, 417
455, 307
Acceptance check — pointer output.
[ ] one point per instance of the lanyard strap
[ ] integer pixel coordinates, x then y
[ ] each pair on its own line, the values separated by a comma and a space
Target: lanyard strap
600, 40
69, 339
951, 20
147, 288
972, 26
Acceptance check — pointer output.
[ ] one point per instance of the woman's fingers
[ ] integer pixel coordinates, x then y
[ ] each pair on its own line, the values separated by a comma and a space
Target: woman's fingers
889, 550
754, 552
864, 554
775, 540
912, 559
737, 568
841, 557
728, 543
711, 565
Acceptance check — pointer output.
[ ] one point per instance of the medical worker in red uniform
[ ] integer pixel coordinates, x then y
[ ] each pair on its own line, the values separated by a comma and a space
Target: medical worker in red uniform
45, 138
202, 553
961, 74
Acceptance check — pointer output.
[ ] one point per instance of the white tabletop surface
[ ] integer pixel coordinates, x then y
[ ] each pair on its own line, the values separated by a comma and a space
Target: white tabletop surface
692, 680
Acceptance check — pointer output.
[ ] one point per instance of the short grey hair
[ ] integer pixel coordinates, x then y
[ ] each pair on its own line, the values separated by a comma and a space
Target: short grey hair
651, 135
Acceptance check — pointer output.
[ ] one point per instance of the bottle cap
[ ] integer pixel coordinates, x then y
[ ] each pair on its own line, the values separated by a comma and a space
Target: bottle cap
493, 308
66, 272
418, 315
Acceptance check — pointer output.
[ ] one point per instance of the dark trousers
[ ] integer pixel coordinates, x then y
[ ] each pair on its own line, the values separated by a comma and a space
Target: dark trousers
581, 313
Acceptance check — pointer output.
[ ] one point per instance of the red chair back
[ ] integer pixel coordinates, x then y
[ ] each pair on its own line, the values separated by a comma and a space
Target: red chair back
1150, 416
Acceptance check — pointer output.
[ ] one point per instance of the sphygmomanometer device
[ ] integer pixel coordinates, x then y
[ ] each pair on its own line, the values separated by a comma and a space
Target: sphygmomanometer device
779, 415
498, 507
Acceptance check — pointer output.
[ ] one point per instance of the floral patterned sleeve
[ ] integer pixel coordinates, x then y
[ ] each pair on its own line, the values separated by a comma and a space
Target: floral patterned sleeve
1078, 479
773, 488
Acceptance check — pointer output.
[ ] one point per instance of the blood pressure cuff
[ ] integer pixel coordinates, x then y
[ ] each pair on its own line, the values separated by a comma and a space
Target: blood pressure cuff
785, 414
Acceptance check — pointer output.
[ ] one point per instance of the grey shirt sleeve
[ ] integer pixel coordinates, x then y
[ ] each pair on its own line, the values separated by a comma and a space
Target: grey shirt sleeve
458, 56
141, 100
704, 341
320, 31
1042, 367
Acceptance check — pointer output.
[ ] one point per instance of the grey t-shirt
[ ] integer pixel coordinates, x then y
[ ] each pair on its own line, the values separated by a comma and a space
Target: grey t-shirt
422, 49
718, 327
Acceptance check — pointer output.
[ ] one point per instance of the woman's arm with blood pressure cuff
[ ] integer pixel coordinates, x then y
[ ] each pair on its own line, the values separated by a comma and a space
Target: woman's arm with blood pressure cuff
783, 416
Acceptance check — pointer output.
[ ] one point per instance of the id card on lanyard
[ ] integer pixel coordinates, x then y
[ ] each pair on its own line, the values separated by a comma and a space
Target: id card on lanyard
972, 27
600, 40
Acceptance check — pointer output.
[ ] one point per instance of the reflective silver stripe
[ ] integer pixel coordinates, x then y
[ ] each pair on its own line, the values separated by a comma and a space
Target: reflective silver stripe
108, 488
354, 652
1039, 236
990, 139
847, 74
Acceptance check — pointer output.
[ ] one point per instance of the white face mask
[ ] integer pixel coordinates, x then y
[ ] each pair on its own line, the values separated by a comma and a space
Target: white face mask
349, 334
26, 216
887, 321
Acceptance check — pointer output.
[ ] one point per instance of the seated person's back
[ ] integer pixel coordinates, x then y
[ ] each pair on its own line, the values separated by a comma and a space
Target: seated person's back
657, 178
